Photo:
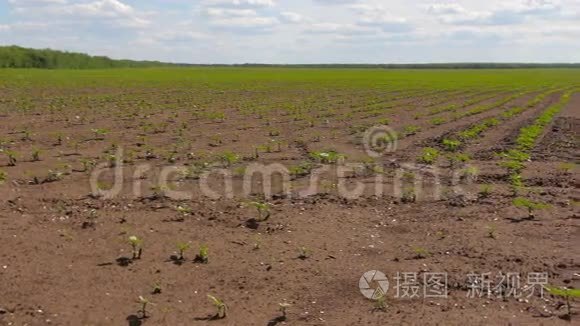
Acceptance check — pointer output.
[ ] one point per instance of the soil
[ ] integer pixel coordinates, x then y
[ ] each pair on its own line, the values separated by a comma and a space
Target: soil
65, 258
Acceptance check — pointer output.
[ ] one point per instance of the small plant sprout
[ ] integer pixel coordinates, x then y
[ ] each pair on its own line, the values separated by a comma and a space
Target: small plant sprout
203, 255
451, 145
181, 248
136, 243
11, 157
36, 155
566, 294
491, 232
263, 210
229, 158
257, 243
328, 157
100, 133
220, 305
3, 177
304, 253
156, 288
420, 253
283, 306
429, 156
531, 206
381, 303
144, 303
485, 190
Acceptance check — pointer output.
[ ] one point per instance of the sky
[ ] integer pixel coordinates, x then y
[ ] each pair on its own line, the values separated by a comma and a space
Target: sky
300, 31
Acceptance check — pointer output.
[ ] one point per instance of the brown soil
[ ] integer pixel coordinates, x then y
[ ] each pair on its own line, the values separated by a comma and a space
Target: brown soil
65, 257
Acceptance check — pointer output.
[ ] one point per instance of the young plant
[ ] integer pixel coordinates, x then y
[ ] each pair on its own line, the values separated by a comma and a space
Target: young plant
531, 206
485, 190
304, 253
411, 130
203, 255
229, 158
36, 155
381, 303
429, 156
566, 294
3, 177
144, 302
451, 145
220, 305
182, 247
328, 157
156, 288
136, 244
283, 306
99, 133
11, 157
421, 253
263, 210
491, 232
458, 159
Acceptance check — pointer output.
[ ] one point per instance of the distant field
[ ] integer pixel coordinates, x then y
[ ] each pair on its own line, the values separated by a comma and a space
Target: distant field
469, 171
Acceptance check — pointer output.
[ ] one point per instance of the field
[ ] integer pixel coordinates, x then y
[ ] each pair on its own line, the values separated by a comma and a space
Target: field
275, 189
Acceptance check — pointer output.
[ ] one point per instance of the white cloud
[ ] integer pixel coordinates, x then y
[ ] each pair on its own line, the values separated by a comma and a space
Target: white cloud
378, 16
240, 3
105, 11
339, 29
291, 17
508, 13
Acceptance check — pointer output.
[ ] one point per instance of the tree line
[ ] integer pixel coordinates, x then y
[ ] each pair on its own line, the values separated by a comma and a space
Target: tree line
19, 57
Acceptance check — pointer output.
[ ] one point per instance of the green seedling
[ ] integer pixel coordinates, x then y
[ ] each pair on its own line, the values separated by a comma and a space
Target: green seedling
181, 248
53, 176
485, 190
451, 145
229, 158
459, 158
531, 206
99, 134
263, 210
87, 164
471, 172
136, 244
491, 232
283, 306
421, 253
380, 303
203, 255
11, 157
566, 294
36, 155
156, 288
411, 130
220, 305
304, 253
429, 156
257, 243
144, 302
566, 167
328, 157
3, 177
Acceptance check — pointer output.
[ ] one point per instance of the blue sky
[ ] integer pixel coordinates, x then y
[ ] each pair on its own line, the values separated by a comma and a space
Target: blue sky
300, 31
